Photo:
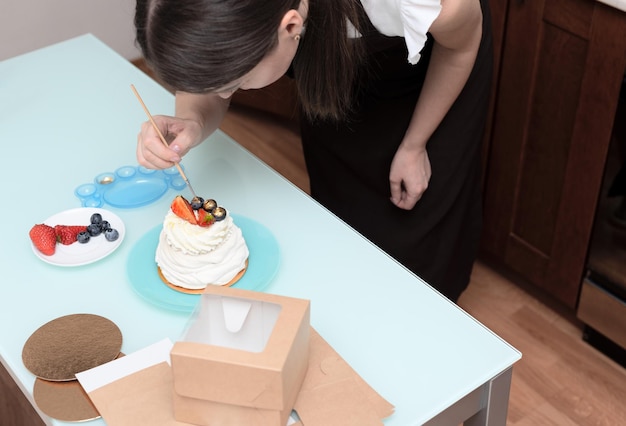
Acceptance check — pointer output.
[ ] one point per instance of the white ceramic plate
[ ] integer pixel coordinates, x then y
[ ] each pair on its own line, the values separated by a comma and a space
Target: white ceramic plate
82, 254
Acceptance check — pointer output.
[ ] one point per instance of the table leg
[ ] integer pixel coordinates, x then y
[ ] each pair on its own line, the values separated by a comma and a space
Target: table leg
487, 405
496, 402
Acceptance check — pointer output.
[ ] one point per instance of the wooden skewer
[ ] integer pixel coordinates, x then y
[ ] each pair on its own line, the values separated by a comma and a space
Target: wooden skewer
156, 128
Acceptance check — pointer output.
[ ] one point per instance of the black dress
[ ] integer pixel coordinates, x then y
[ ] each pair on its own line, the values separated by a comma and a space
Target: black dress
349, 163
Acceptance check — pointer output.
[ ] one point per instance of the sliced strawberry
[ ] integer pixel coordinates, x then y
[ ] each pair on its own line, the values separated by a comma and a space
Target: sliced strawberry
66, 234
44, 238
205, 218
182, 208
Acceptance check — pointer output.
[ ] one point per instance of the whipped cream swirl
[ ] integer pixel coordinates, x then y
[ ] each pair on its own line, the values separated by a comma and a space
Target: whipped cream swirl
192, 256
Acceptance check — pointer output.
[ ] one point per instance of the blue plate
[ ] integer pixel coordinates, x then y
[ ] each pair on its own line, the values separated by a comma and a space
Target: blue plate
144, 278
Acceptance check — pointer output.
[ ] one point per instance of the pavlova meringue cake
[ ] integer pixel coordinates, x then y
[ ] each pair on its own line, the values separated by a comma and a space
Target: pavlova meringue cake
200, 245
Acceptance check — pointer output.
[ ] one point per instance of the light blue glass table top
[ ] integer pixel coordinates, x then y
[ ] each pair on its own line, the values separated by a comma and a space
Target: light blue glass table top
67, 114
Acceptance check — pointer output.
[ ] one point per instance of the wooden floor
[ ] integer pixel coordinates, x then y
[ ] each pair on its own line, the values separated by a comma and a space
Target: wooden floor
560, 380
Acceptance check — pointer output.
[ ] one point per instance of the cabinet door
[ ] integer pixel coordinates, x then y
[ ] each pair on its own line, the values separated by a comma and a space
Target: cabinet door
562, 65
14, 407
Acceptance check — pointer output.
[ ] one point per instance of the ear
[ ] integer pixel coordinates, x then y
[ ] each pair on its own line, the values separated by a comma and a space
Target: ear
292, 24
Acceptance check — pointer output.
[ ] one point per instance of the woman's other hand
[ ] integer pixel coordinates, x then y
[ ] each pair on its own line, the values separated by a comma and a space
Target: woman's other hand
409, 176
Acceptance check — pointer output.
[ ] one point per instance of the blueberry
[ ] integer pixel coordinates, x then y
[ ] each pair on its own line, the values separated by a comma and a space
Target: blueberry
83, 237
104, 225
94, 229
219, 213
111, 234
209, 205
197, 202
96, 218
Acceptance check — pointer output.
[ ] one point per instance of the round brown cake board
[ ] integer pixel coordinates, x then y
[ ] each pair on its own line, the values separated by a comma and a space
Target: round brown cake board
59, 349
65, 401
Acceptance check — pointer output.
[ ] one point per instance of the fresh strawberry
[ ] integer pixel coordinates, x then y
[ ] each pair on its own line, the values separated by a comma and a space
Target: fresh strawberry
205, 218
44, 238
182, 208
66, 234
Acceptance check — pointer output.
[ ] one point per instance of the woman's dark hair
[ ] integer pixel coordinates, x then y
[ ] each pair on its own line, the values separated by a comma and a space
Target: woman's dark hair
197, 46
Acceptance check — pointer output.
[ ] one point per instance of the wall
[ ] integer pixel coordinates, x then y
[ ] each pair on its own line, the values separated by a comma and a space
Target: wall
27, 25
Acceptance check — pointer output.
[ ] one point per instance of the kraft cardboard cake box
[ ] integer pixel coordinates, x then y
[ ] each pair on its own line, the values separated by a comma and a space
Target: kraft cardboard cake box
242, 359
276, 363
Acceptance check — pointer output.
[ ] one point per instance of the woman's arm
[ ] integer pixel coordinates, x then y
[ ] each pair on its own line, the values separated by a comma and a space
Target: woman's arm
207, 110
197, 116
457, 32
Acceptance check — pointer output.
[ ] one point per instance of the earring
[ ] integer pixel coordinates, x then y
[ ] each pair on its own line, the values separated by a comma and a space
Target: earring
297, 37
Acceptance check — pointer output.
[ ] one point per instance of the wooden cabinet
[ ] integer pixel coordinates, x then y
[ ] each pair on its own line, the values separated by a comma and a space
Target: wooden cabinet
561, 66
15, 410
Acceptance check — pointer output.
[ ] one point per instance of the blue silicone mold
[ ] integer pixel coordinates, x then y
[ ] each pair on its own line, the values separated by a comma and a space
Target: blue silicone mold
129, 187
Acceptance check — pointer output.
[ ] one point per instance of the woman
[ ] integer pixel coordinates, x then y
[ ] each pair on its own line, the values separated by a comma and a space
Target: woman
393, 96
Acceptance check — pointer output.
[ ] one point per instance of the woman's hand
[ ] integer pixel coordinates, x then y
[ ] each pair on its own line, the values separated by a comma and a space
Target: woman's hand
181, 135
197, 116
409, 176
